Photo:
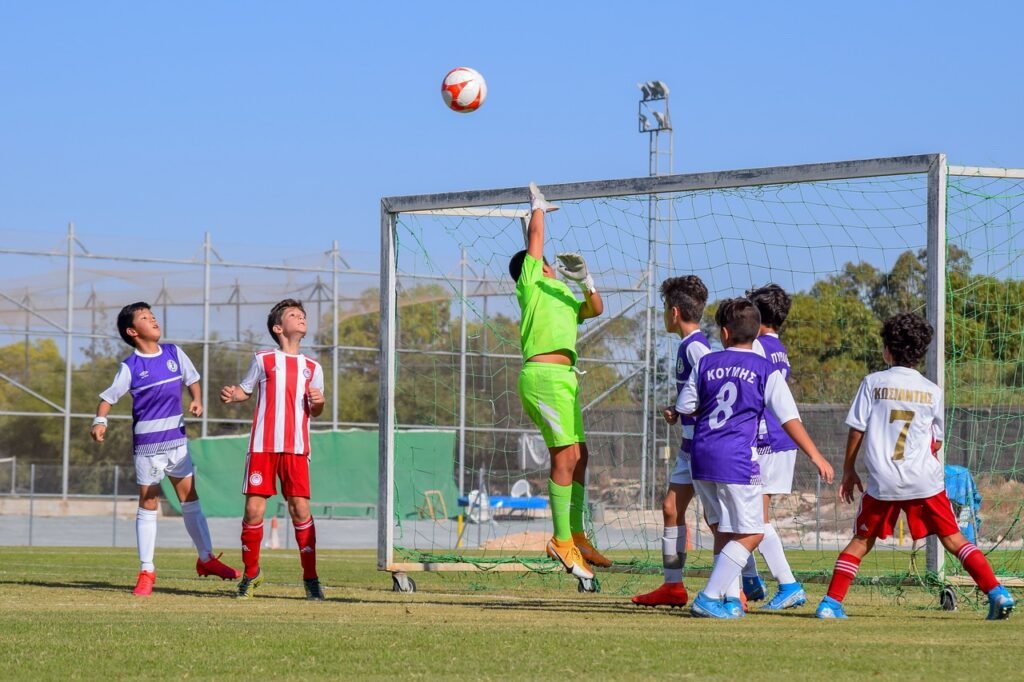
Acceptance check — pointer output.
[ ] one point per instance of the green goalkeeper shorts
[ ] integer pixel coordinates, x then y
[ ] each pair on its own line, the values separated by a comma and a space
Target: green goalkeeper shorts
550, 396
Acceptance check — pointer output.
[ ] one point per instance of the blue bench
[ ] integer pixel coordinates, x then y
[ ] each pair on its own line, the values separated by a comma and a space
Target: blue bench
497, 502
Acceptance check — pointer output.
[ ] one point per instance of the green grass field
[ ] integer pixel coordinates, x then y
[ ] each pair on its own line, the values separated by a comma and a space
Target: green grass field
70, 613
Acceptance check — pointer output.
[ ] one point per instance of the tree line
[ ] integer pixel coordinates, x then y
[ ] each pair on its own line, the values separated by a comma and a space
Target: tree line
831, 334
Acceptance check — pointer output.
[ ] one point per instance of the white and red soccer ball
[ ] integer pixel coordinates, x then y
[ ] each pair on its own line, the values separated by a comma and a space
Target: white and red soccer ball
463, 90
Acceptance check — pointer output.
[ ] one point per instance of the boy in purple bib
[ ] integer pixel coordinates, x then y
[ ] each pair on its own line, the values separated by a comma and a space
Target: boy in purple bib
153, 375
728, 392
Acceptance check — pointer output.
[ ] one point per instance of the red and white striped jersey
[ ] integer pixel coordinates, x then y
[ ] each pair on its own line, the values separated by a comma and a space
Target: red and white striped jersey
280, 422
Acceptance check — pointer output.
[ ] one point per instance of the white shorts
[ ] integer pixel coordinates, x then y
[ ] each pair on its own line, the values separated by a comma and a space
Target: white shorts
735, 507
151, 469
777, 472
681, 475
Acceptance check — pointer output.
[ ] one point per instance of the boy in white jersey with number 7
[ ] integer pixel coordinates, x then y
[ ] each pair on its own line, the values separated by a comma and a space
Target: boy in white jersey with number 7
897, 416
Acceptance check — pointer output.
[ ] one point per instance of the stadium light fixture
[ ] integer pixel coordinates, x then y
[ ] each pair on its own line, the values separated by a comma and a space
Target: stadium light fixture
662, 120
645, 90
644, 125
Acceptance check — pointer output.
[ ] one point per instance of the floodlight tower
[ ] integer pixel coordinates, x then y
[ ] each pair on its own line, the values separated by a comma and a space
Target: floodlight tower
654, 119
656, 122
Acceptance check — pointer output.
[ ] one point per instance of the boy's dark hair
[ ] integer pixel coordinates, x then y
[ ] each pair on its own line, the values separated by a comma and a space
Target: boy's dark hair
515, 266
277, 314
907, 336
773, 303
126, 319
740, 317
687, 293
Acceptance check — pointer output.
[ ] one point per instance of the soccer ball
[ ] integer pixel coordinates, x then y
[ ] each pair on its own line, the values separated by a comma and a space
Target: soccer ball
463, 90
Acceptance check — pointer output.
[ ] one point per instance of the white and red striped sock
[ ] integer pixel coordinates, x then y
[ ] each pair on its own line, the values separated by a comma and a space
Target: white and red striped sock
975, 563
843, 575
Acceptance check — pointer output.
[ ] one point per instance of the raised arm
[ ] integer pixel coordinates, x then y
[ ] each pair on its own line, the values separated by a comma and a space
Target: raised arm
535, 229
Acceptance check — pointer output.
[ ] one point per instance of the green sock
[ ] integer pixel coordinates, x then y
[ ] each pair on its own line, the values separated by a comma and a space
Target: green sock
576, 507
560, 496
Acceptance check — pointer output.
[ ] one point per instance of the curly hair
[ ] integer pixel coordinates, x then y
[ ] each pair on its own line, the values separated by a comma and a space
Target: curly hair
277, 314
907, 336
740, 317
686, 293
773, 303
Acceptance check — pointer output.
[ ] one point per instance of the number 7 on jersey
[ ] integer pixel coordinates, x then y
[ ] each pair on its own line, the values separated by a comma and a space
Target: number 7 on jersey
905, 416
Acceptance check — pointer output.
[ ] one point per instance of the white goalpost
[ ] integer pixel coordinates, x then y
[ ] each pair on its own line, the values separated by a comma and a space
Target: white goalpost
449, 350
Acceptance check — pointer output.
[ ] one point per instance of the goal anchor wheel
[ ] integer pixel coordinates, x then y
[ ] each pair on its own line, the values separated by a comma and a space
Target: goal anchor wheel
947, 598
402, 583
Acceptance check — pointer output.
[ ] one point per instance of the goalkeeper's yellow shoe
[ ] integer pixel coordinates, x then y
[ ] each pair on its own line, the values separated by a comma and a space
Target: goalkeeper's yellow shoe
588, 551
569, 555
247, 586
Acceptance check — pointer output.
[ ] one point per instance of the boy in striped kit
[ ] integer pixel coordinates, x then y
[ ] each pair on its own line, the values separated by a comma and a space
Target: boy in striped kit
898, 416
290, 391
153, 375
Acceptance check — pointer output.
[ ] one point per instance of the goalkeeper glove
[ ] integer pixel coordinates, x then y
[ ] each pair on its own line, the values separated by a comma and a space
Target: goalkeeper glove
572, 266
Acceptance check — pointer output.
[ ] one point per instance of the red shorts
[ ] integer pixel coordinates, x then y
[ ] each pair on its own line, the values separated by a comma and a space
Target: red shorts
925, 516
262, 469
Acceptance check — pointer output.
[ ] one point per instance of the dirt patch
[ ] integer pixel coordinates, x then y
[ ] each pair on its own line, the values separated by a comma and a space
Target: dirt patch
526, 541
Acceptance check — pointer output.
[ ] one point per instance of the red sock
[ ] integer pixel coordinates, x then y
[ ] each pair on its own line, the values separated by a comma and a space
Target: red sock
252, 539
305, 538
843, 575
977, 565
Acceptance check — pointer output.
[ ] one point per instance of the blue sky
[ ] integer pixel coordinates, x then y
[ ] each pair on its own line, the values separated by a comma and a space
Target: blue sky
286, 122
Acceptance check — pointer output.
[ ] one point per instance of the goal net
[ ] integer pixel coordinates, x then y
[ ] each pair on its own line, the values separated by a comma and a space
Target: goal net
852, 242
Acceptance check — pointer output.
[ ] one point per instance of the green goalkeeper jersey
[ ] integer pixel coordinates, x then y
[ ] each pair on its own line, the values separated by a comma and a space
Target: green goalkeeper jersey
550, 312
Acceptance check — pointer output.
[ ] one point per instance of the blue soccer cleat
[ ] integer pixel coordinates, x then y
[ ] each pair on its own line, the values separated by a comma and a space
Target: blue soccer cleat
706, 607
735, 607
789, 596
1000, 603
830, 609
754, 588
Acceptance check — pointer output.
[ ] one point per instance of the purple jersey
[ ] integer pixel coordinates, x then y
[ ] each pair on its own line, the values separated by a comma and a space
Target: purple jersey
695, 345
154, 382
731, 388
776, 439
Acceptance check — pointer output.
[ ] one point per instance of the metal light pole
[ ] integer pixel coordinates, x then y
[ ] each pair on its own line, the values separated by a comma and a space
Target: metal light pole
654, 120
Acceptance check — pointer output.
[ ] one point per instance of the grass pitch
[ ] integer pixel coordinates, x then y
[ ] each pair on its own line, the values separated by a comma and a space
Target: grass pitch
70, 613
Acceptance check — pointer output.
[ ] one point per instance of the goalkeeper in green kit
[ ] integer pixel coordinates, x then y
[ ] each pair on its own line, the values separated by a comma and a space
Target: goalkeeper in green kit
547, 384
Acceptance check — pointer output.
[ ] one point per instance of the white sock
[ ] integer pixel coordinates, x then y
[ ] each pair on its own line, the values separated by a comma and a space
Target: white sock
726, 571
735, 588
673, 553
145, 537
775, 557
198, 529
750, 568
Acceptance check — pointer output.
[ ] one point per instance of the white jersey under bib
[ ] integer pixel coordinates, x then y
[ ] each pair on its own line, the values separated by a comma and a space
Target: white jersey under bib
900, 413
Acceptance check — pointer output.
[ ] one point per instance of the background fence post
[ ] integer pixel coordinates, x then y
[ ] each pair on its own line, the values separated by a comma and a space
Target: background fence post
817, 513
31, 499
117, 476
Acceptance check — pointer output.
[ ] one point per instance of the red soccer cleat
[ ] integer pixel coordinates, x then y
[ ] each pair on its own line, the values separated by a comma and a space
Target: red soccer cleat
669, 594
743, 601
144, 584
213, 566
